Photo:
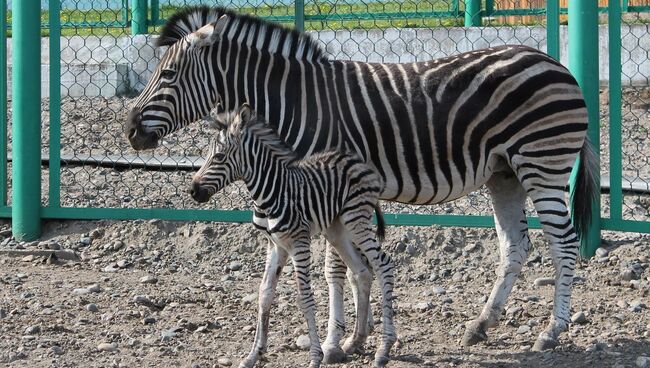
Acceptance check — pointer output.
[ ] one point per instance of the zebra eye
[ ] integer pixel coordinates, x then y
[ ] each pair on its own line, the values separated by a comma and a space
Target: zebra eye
167, 74
220, 157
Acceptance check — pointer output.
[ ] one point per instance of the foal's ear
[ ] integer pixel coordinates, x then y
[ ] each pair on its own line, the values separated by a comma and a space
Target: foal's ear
245, 113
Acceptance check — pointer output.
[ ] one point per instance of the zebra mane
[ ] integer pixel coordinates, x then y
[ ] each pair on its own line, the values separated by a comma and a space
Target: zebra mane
259, 33
259, 128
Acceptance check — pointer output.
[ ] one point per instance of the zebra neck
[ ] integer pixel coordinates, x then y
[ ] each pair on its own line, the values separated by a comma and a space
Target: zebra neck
267, 163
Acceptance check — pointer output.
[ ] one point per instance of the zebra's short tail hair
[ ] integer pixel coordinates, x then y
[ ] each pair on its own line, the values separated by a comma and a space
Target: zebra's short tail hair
381, 225
586, 190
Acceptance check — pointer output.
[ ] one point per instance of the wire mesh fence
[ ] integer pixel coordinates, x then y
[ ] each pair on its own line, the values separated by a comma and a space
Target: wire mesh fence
101, 63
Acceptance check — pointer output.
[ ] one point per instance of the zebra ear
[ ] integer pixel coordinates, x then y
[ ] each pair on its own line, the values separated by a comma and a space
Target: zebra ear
210, 33
245, 113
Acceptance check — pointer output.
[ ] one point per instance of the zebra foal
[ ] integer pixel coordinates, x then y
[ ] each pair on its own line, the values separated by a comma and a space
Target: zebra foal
295, 199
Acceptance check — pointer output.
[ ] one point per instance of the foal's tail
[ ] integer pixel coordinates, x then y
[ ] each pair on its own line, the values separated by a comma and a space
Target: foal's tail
381, 225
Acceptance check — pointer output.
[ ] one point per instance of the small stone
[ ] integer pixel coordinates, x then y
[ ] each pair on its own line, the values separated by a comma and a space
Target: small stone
627, 275
636, 306
170, 334
56, 350
3, 313
579, 318
148, 321
148, 279
28, 258
33, 330
107, 346
303, 342
80, 291
622, 304
523, 329
422, 306
92, 308
85, 240
234, 266
513, 310
544, 281
141, 299
94, 288
202, 329
250, 298
471, 247
642, 361
400, 247
224, 362
439, 290
602, 252
122, 263
458, 276
117, 245
53, 245
110, 268
449, 248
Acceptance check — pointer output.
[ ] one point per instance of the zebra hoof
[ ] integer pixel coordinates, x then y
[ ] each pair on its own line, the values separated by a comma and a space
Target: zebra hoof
380, 361
333, 355
474, 334
352, 347
544, 343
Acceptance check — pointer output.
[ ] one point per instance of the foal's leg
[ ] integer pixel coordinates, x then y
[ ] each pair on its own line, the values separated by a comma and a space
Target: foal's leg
276, 258
301, 258
335, 275
357, 222
361, 281
508, 201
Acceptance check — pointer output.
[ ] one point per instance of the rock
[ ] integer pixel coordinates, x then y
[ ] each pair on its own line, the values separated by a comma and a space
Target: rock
622, 304
472, 247
202, 329
400, 247
422, 306
234, 266
628, 274
94, 288
52, 245
224, 362
92, 308
28, 258
250, 298
449, 248
170, 334
513, 310
56, 350
642, 361
33, 330
458, 276
636, 306
579, 318
148, 321
110, 268
303, 343
123, 263
85, 240
544, 281
523, 329
107, 346
439, 290
148, 279
3, 313
142, 299
80, 291
602, 252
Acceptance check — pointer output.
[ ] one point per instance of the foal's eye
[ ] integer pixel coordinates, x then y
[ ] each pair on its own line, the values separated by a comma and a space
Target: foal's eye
220, 157
167, 74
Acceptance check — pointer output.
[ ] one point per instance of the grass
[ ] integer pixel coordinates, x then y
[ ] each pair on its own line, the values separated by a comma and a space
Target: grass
323, 14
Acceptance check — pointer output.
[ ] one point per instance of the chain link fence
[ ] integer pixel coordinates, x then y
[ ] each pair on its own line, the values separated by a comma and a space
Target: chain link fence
101, 64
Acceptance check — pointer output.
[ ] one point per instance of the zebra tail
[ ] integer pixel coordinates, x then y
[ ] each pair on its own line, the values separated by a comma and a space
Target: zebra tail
381, 225
586, 191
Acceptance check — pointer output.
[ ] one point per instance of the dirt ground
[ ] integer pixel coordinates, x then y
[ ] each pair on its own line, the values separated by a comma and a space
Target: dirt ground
198, 307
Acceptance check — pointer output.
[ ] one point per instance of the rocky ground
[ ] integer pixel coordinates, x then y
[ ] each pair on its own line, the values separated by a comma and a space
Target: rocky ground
158, 293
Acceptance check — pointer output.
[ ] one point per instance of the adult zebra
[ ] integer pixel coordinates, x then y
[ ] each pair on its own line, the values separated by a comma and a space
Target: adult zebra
509, 117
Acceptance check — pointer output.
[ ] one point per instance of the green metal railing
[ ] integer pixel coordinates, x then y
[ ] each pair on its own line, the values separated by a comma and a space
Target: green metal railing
27, 211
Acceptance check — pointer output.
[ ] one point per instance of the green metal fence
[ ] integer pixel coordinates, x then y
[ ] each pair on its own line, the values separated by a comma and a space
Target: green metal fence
93, 69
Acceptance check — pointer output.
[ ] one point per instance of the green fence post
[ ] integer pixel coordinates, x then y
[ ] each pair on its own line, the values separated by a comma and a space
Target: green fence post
3, 103
583, 63
472, 13
54, 197
26, 104
300, 15
615, 115
155, 11
139, 17
553, 28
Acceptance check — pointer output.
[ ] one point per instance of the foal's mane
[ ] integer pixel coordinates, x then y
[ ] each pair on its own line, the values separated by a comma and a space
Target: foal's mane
269, 36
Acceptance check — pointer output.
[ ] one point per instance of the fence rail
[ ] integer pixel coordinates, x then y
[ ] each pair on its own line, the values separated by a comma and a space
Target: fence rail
78, 152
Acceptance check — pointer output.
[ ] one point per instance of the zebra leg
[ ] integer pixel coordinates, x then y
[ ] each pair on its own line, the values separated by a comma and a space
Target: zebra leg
301, 258
558, 230
276, 258
508, 201
334, 271
360, 279
357, 222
